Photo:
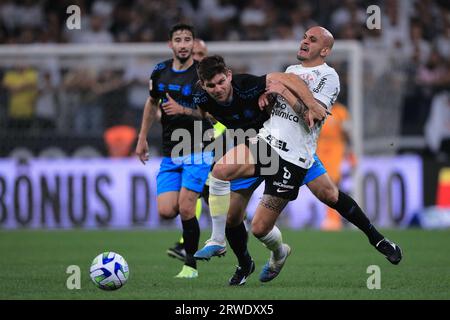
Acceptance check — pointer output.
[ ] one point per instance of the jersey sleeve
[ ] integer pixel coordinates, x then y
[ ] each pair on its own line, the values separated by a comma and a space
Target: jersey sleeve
259, 82
250, 85
327, 89
200, 99
152, 84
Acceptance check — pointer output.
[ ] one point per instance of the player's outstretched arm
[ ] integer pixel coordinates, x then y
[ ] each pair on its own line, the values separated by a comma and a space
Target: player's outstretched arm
149, 115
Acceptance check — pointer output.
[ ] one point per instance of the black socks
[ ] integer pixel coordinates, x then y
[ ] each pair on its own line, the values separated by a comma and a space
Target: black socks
191, 236
237, 238
349, 209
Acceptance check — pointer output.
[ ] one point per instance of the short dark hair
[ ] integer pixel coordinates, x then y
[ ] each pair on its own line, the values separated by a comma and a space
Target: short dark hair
181, 26
210, 66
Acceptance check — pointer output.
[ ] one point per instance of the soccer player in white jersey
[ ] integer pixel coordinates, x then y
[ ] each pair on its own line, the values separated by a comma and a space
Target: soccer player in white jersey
299, 141
292, 133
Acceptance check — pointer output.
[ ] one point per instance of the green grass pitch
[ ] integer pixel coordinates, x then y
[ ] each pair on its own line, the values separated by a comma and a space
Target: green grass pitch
323, 265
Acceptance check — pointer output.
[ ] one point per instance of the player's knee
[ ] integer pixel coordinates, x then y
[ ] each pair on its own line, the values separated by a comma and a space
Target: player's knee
233, 220
259, 229
221, 172
187, 210
167, 212
329, 195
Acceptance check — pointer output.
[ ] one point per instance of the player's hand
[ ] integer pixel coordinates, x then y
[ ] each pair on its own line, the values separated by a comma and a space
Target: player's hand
171, 107
142, 150
309, 119
316, 114
263, 101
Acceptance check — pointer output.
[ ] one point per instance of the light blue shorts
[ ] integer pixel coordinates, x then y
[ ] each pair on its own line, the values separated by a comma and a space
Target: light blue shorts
189, 172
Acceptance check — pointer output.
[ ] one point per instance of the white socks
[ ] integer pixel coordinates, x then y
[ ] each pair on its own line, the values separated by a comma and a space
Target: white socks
273, 241
219, 203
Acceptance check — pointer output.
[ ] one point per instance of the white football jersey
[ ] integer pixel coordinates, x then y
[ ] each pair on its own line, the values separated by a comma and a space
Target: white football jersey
286, 131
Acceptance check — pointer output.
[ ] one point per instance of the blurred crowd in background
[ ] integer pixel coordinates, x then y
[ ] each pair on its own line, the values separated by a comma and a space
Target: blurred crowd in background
415, 34
406, 24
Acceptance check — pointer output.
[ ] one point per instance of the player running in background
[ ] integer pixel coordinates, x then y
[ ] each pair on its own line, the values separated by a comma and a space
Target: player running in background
181, 177
199, 51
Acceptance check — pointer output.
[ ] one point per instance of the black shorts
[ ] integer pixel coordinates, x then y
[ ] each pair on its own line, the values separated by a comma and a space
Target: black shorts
282, 178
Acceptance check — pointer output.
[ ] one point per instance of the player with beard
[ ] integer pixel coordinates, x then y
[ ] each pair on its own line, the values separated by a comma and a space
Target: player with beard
182, 176
199, 52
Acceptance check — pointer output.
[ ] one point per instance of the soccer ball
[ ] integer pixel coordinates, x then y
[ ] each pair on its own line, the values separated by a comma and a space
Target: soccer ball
109, 271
